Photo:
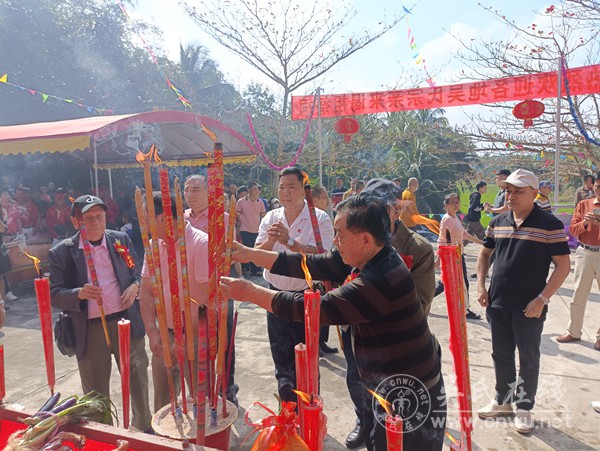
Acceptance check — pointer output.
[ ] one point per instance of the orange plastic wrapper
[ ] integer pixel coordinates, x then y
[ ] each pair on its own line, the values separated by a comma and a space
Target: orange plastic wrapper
277, 432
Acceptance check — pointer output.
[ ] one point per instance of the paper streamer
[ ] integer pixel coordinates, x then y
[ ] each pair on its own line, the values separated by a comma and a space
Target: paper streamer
180, 96
417, 55
45, 97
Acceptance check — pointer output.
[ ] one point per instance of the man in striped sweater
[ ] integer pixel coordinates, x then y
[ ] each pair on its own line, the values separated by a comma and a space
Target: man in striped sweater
395, 352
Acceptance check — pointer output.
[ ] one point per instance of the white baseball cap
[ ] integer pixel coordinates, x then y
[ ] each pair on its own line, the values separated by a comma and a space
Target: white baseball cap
521, 179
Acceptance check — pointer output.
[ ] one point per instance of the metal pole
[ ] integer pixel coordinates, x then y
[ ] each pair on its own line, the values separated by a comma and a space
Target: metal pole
96, 167
91, 177
320, 137
557, 152
110, 189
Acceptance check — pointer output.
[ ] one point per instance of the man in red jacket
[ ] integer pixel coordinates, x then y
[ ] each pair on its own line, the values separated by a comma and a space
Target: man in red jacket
58, 217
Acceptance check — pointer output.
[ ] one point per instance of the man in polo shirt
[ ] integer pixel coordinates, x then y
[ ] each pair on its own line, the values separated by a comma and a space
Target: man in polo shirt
585, 225
289, 229
395, 351
525, 241
542, 199
250, 211
117, 290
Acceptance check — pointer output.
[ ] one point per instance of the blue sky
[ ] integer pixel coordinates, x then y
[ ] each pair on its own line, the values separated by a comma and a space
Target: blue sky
380, 65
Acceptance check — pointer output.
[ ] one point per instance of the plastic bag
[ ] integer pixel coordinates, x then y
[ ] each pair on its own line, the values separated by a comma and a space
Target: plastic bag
278, 432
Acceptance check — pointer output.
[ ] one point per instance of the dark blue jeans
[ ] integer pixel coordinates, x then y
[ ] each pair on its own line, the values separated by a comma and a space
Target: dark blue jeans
513, 330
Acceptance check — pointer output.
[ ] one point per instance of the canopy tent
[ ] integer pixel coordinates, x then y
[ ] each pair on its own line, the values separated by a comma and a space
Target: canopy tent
112, 142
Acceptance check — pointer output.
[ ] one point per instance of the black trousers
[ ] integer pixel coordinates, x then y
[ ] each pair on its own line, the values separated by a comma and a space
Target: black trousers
510, 331
355, 386
249, 239
284, 335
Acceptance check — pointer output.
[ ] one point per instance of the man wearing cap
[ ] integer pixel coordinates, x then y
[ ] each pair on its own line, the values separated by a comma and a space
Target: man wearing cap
418, 255
525, 240
542, 199
118, 285
585, 225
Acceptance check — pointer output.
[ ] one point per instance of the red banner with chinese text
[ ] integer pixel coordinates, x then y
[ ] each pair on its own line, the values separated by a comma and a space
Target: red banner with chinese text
582, 80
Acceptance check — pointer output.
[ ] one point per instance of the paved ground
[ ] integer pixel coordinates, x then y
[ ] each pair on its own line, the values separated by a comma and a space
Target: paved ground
569, 378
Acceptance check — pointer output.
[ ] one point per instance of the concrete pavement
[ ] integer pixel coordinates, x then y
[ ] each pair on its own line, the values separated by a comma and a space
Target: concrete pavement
569, 380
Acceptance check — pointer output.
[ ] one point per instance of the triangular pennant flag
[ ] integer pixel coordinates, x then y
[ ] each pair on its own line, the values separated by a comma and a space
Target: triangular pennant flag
461, 216
3, 78
32, 92
44, 97
90, 109
68, 100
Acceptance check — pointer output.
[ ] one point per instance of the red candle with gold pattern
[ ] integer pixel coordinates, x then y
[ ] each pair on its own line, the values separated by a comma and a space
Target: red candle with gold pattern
2, 383
312, 323
393, 432
124, 328
314, 424
202, 376
42, 292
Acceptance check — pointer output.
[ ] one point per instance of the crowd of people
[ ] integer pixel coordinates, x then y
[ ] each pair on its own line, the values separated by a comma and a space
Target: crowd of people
382, 272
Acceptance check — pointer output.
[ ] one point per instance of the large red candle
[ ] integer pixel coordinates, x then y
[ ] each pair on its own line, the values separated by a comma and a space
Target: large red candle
312, 323
314, 427
202, 370
301, 382
2, 384
393, 432
124, 327
42, 292
452, 277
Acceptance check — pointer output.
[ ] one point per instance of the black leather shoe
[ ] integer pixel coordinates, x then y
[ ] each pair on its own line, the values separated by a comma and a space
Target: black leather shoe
356, 437
327, 349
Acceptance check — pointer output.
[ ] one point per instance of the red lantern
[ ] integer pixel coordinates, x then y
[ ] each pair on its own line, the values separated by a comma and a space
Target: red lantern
347, 127
528, 110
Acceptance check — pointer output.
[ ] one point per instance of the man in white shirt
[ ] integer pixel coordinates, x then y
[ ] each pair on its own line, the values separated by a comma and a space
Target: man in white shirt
289, 227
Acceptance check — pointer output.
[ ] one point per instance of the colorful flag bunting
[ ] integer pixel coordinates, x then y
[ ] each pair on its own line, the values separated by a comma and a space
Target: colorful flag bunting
45, 97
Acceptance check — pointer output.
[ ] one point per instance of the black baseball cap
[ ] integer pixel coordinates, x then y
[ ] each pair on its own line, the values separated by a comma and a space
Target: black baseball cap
84, 203
383, 189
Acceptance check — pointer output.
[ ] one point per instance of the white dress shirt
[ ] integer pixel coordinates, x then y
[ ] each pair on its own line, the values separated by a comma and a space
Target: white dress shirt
301, 231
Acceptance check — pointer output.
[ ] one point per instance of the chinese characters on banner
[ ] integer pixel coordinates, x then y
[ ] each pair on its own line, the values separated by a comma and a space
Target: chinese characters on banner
582, 80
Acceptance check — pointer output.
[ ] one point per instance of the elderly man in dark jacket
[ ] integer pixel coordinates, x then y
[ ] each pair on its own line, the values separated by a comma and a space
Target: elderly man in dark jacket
118, 279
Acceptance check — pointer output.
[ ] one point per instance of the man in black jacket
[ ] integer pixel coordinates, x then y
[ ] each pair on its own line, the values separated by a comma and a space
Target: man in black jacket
118, 279
473, 218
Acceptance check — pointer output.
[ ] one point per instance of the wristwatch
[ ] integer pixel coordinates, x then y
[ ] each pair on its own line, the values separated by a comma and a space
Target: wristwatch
290, 242
544, 298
